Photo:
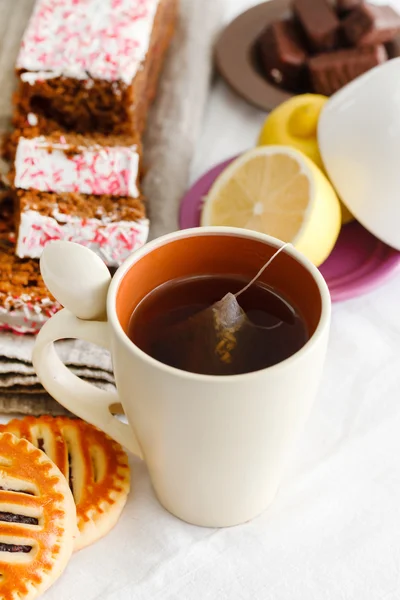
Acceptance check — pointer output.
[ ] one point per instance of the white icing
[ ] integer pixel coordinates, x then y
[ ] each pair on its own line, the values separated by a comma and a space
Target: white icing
102, 39
32, 119
112, 241
111, 170
25, 315
34, 76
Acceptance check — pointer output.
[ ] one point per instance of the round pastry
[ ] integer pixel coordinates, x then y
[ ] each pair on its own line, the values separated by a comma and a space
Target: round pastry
37, 520
95, 466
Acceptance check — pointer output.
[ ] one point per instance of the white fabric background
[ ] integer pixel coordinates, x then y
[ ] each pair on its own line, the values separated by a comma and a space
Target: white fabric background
333, 532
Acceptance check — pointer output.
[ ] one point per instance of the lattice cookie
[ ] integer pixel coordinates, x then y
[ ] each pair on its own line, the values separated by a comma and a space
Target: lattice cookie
37, 520
95, 466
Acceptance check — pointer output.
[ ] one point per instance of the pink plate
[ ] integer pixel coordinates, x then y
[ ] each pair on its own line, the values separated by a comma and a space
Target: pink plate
359, 262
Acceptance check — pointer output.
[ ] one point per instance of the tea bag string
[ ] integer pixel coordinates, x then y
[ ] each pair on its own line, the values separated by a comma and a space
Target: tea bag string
261, 271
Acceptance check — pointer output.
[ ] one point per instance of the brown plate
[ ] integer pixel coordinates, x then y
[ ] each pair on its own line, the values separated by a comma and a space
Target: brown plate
235, 54
236, 58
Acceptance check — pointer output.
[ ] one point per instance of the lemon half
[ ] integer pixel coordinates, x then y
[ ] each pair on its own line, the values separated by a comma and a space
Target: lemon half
278, 191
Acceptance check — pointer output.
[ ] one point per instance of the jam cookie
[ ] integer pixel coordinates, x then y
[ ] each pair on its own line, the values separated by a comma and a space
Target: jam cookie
37, 520
95, 466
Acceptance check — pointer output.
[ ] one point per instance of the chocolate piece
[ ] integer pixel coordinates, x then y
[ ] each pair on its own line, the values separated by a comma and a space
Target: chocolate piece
283, 56
369, 25
345, 6
319, 22
393, 48
331, 71
237, 55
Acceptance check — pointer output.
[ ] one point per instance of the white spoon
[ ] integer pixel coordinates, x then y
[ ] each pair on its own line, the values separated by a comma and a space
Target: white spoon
77, 278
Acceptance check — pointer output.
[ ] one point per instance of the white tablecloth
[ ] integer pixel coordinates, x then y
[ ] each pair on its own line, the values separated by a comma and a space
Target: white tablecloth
333, 532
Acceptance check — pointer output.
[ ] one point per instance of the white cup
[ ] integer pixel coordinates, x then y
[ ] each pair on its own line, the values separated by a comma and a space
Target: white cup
359, 141
215, 447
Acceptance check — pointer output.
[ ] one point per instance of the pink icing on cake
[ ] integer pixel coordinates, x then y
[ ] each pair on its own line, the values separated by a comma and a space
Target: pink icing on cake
112, 241
25, 314
82, 39
95, 170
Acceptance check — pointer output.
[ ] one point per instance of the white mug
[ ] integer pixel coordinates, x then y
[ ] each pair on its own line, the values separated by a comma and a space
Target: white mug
359, 141
215, 447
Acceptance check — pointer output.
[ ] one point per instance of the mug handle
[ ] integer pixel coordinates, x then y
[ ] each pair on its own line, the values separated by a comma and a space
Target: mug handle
81, 398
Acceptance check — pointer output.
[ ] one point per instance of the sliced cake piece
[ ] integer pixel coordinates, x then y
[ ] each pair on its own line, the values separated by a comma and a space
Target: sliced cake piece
92, 65
25, 302
110, 226
74, 163
78, 189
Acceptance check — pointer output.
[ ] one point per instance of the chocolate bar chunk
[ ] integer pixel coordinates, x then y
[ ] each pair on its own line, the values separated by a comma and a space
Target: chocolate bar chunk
319, 22
369, 24
283, 55
345, 6
393, 48
331, 71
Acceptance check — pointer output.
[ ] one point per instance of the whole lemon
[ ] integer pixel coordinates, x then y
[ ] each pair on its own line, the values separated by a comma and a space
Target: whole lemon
294, 123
